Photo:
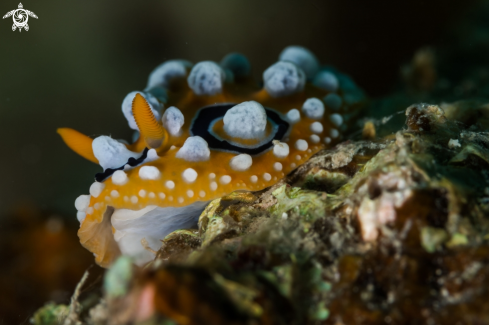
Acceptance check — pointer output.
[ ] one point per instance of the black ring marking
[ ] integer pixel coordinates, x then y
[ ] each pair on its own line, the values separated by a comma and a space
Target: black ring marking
133, 162
206, 115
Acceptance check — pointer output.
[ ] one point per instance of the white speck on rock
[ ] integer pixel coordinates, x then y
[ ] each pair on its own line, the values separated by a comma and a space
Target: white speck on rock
453, 143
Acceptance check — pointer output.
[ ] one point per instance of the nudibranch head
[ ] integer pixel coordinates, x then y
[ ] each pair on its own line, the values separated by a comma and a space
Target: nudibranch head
220, 132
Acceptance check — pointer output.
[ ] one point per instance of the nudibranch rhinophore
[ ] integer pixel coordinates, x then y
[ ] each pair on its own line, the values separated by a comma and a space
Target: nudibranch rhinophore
220, 132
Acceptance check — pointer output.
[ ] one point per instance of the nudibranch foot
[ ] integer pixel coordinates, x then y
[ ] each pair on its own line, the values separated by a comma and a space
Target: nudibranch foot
204, 131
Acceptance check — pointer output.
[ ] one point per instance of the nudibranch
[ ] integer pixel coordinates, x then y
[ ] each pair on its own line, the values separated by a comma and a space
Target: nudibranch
203, 131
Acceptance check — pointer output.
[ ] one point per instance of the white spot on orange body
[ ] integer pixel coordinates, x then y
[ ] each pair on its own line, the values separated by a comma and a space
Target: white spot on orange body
316, 127
213, 186
327, 140
81, 216
301, 145
142, 193
149, 172
96, 188
254, 179
280, 149
180, 200
267, 177
89, 210
224, 180
119, 178
151, 195
161, 195
277, 166
134, 199
82, 202
334, 133
202, 194
314, 138
313, 108
190, 193
114, 194
194, 149
241, 162
189, 175
170, 185
294, 115
212, 176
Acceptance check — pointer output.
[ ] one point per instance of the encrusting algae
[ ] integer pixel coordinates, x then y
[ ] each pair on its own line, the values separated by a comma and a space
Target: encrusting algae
204, 131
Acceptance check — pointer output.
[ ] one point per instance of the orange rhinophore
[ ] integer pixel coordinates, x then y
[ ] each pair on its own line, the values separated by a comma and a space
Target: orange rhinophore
78, 142
205, 130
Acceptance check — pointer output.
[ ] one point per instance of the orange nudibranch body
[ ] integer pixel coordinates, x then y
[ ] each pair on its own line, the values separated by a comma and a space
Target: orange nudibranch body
219, 132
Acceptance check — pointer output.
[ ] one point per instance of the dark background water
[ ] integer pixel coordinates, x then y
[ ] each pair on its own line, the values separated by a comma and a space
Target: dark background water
80, 58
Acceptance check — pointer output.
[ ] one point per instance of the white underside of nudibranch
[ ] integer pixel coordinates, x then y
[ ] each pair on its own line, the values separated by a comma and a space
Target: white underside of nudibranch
153, 224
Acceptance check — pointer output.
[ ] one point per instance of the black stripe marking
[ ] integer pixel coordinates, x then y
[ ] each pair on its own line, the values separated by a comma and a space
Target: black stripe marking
133, 162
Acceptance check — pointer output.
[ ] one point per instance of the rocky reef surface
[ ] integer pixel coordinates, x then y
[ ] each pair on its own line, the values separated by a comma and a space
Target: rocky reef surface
384, 229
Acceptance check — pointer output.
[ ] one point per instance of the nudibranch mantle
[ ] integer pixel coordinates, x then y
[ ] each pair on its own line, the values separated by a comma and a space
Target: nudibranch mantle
220, 133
